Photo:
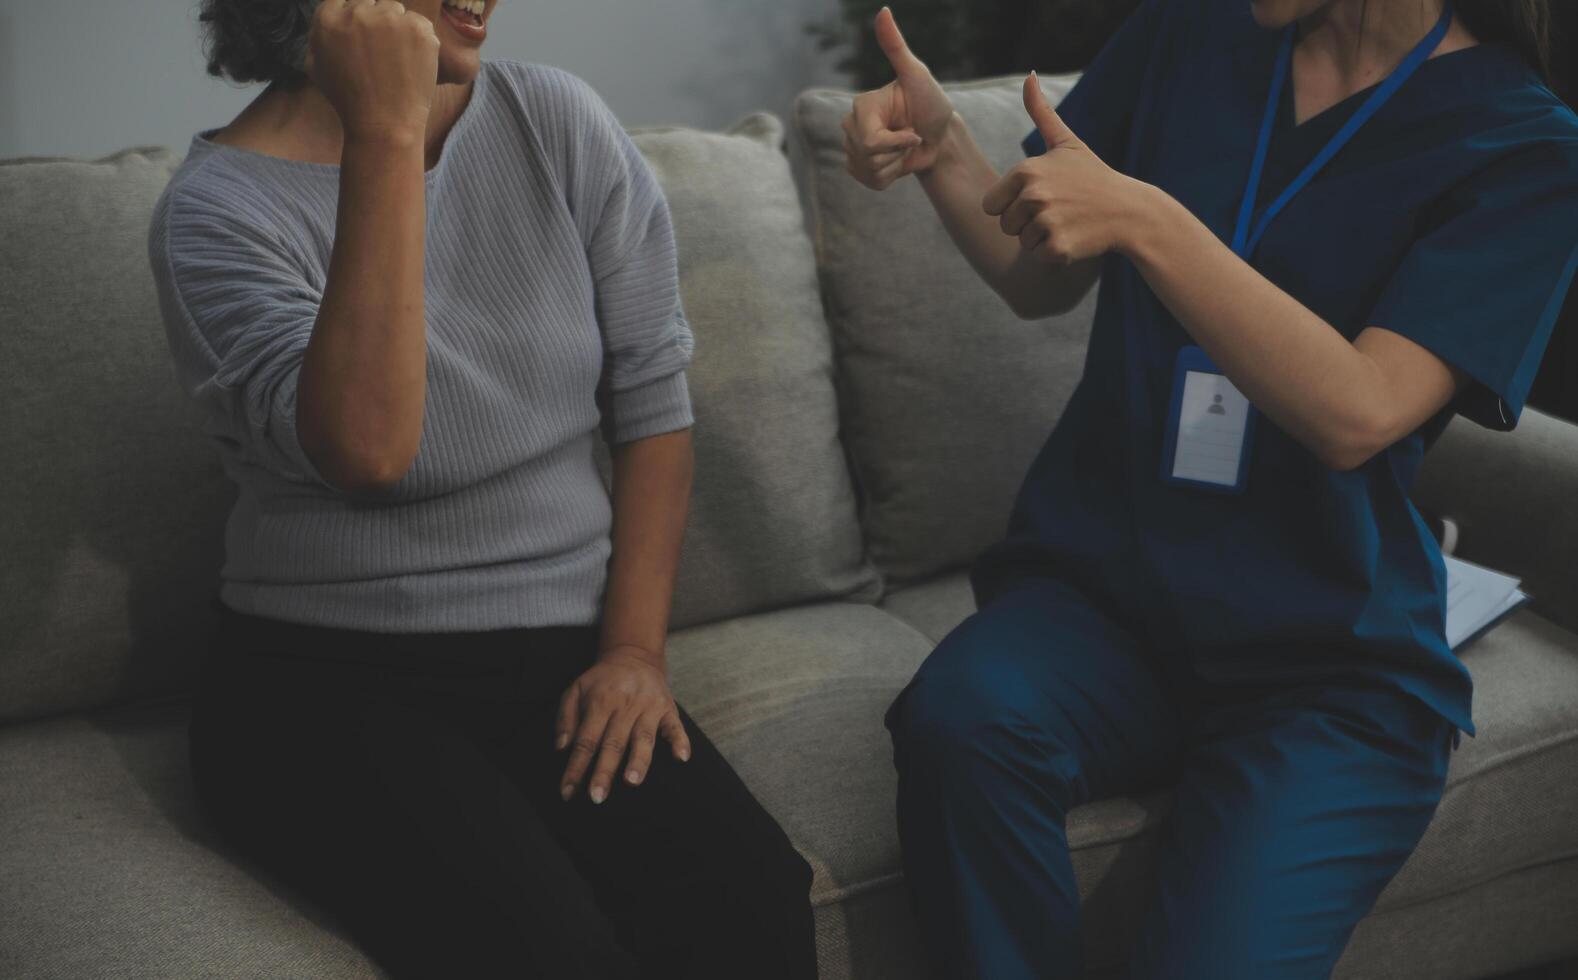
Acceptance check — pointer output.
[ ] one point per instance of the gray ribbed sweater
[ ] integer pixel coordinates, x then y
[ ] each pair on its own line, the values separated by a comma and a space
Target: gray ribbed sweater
551, 293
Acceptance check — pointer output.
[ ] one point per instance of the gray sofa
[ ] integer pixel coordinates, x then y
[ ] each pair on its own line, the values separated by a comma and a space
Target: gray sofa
865, 411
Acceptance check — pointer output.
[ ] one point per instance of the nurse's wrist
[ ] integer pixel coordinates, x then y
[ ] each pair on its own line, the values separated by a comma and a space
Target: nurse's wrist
1150, 219
954, 139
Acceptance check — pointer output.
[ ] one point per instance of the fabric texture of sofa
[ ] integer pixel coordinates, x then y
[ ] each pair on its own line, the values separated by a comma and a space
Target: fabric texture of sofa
865, 411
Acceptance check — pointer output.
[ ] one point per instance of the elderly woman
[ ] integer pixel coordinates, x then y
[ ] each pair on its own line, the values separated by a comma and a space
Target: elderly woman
406, 288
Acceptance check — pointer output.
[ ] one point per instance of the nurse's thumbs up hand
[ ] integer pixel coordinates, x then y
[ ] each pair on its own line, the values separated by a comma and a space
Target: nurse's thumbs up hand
1065, 205
1051, 126
898, 129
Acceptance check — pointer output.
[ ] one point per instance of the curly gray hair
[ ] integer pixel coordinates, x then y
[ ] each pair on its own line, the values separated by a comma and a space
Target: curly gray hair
257, 40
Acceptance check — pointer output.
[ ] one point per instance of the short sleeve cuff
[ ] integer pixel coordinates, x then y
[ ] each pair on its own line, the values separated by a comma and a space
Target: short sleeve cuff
1485, 399
651, 410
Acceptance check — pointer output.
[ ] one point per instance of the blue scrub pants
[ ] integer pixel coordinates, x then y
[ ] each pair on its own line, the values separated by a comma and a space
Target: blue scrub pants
1294, 806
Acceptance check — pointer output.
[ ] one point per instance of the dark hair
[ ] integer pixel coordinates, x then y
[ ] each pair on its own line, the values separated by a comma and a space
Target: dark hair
1523, 25
257, 40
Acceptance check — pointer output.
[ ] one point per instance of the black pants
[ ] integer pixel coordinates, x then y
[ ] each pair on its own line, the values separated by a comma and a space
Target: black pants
409, 786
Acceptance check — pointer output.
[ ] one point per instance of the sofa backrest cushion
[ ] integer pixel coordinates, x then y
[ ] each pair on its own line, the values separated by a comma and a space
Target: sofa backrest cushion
1511, 496
946, 395
113, 503
773, 519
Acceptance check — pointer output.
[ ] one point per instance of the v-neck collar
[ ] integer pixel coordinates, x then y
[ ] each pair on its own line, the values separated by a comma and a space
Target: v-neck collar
1342, 109
1293, 145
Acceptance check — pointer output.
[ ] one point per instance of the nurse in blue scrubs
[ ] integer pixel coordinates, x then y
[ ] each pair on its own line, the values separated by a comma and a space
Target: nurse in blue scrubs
1321, 228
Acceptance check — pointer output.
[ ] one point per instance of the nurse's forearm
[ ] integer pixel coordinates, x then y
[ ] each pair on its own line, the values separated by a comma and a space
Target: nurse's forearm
956, 183
1345, 401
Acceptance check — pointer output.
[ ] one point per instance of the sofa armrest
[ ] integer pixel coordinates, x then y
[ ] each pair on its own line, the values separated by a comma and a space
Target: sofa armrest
1515, 499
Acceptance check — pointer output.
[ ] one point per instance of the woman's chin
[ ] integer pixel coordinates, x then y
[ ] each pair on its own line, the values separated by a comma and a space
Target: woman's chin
459, 67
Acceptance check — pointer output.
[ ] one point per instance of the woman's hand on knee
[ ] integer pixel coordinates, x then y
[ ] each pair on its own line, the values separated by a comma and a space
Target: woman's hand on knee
618, 709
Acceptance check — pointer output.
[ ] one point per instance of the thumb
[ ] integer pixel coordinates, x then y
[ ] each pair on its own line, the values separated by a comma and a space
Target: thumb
1053, 129
892, 43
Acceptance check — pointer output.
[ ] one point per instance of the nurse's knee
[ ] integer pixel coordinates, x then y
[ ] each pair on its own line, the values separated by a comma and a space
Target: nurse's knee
926, 720
967, 724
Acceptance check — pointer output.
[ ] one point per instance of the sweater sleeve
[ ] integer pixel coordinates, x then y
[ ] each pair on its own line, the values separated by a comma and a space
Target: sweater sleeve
238, 313
629, 237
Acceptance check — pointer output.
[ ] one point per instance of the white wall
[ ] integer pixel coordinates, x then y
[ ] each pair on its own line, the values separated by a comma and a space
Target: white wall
88, 77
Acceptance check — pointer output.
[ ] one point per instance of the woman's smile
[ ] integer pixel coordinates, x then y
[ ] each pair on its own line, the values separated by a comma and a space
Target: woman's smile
467, 18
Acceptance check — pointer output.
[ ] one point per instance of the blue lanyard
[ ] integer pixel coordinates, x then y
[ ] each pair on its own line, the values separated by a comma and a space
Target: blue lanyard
1244, 241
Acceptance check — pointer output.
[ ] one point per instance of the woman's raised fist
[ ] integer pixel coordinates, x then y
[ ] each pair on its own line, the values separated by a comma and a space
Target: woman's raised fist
377, 63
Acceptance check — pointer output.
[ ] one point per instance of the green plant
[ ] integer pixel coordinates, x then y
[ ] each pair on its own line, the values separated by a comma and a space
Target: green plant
962, 39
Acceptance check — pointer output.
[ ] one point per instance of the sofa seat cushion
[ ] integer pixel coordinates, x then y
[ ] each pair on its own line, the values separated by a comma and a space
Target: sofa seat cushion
795, 701
110, 870
1510, 793
1512, 790
935, 606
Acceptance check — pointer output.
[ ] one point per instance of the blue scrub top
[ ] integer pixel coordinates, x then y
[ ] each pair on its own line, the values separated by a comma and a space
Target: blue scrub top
1451, 219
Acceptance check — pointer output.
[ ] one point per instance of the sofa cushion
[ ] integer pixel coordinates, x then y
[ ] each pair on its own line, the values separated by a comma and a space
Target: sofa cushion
773, 518
933, 607
113, 502
1529, 912
946, 394
1511, 494
795, 699
1511, 794
111, 872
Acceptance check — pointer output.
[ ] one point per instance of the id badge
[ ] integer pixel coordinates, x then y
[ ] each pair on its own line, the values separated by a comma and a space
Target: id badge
1209, 428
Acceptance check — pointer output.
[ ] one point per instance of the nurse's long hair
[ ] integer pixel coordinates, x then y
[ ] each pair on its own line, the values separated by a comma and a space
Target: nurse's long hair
1523, 25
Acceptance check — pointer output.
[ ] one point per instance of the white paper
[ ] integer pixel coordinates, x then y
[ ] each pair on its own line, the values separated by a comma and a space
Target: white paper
1476, 597
1211, 424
